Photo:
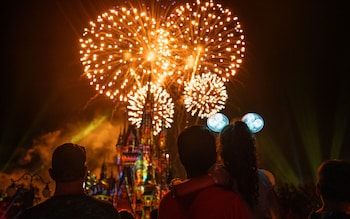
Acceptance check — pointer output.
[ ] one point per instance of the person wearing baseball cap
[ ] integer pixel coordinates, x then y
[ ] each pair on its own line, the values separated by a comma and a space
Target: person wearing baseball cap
69, 200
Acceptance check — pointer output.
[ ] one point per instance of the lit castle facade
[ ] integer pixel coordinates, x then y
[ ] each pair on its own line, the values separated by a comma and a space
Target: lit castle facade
143, 169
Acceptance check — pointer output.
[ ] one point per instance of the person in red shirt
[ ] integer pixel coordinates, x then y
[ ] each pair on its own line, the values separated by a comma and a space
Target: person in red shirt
193, 198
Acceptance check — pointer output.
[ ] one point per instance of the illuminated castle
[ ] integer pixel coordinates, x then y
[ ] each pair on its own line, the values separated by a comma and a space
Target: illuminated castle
143, 166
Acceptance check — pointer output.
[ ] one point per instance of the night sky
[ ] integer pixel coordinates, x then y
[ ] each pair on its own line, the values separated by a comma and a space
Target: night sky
294, 75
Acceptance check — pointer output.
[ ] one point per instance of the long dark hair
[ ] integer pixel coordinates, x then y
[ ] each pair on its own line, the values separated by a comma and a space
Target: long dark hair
239, 155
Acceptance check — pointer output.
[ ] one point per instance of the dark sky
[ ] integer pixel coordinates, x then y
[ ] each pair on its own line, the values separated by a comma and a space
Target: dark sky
294, 75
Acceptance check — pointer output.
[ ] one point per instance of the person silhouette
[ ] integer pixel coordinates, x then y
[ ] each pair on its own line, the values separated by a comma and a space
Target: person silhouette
333, 188
196, 198
69, 200
238, 154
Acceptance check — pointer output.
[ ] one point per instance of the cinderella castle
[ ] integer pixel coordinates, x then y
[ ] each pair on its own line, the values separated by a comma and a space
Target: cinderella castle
143, 169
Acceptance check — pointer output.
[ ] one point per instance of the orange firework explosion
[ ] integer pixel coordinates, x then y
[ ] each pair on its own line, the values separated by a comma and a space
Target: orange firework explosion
192, 46
208, 39
122, 48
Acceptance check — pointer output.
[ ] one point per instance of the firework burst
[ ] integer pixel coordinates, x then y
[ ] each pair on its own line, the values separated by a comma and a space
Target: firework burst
209, 38
205, 95
162, 107
191, 49
123, 48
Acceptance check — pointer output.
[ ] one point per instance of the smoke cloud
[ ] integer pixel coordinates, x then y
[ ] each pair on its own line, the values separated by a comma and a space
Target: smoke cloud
99, 137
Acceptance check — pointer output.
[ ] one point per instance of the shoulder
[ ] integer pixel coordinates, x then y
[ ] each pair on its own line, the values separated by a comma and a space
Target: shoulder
221, 203
266, 186
266, 177
171, 207
95, 203
40, 209
81, 206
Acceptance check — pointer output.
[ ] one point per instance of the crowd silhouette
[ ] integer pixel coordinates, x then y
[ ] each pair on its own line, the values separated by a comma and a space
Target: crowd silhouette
223, 181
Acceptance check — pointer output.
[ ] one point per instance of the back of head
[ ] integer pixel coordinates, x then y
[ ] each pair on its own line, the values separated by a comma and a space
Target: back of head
238, 145
126, 214
334, 180
68, 163
239, 155
197, 149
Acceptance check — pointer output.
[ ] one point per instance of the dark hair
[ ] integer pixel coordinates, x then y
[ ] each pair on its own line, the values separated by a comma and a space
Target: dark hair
126, 214
68, 162
334, 180
197, 149
239, 155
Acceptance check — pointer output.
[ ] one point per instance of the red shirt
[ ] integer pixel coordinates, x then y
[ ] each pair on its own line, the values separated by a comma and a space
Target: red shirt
211, 202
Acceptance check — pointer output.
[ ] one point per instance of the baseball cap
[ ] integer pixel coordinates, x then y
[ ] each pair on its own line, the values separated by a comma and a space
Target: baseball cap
68, 162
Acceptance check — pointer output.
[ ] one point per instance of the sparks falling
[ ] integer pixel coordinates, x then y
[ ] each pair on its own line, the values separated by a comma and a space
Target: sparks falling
209, 38
177, 48
121, 49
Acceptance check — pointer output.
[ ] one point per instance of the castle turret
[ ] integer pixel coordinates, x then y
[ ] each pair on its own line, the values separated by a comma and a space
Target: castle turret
143, 163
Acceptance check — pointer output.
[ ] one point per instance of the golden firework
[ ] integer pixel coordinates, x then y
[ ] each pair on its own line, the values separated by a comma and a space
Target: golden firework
162, 107
123, 48
205, 95
208, 38
192, 50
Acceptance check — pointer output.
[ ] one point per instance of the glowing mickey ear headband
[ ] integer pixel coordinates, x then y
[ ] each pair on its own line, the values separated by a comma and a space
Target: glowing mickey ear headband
253, 120
217, 122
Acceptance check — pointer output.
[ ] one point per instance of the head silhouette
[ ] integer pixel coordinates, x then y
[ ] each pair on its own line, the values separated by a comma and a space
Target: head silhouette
68, 163
197, 149
334, 180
